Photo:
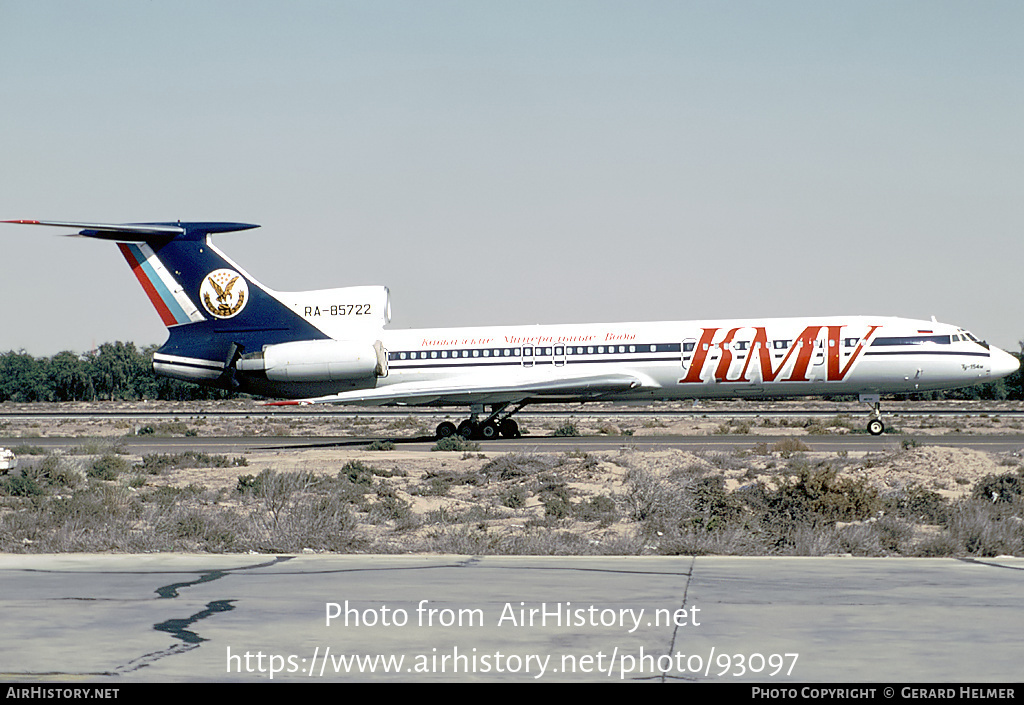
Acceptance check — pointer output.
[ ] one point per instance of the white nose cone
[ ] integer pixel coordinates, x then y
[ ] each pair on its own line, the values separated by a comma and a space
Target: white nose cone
1001, 363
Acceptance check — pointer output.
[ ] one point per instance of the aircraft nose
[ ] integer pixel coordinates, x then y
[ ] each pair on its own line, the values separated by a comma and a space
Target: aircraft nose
1001, 363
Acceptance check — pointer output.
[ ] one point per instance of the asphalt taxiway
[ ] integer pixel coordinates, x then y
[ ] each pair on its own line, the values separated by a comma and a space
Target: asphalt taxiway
244, 618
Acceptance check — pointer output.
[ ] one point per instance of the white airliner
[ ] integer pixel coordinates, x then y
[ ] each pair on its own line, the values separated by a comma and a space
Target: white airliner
333, 346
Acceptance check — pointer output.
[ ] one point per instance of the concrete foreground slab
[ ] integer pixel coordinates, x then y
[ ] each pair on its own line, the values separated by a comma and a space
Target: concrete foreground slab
526, 618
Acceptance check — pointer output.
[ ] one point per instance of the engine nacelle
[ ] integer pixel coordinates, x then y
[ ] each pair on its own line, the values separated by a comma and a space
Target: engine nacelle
318, 361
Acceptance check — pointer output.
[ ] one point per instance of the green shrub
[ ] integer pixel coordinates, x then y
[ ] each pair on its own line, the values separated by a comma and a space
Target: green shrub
514, 497
391, 507
20, 486
29, 450
1000, 488
567, 430
247, 484
157, 463
600, 508
514, 465
985, 528
817, 496
787, 447
437, 485
107, 467
358, 473
916, 503
556, 506
456, 443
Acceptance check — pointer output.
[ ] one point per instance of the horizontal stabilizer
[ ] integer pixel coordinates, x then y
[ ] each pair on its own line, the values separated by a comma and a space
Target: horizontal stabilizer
139, 232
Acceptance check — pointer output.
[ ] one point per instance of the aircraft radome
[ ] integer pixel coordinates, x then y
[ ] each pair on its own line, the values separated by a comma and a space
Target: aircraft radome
334, 346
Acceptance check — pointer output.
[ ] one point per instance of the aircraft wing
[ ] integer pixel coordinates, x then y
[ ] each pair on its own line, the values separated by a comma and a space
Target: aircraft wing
490, 391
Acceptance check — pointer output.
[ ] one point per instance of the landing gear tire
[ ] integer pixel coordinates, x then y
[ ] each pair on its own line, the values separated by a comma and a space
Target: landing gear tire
509, 428
445, 429
489, 431
466, 430
876, 427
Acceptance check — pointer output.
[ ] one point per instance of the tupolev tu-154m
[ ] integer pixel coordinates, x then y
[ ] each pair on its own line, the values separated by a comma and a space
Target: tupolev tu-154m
333, 346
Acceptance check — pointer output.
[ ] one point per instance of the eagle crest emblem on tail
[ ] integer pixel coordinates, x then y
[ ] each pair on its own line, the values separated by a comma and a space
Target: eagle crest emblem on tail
224, 293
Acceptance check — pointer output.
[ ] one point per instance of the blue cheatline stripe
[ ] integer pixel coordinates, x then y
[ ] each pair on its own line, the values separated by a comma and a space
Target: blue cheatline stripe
159, 286
930, 353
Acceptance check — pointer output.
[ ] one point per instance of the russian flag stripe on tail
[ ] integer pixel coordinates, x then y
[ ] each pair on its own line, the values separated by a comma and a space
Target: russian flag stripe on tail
172, 311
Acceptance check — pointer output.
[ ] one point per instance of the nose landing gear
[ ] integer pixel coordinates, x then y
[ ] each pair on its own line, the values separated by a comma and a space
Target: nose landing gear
875, 425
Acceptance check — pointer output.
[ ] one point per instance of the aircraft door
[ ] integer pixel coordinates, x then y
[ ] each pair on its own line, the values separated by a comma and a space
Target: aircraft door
686, 351
559, 358
819, 351
527, 358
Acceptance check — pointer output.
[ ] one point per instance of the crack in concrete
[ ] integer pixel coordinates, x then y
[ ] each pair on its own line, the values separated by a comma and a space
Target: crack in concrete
171, 591
178, 628
975, 561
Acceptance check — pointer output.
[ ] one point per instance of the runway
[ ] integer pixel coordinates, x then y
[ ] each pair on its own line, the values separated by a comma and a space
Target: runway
245, 618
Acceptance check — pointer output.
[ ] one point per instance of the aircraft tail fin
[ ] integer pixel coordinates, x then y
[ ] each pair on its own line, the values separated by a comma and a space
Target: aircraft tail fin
228, 330
177, 266
213, 309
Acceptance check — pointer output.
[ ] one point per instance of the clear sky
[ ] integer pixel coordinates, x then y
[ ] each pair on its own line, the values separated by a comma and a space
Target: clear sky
522, 161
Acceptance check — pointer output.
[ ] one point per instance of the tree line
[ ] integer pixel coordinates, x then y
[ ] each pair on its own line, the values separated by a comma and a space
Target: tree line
114, 371
122, 372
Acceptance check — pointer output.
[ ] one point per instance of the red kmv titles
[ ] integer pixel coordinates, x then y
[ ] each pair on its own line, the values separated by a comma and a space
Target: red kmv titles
801, 351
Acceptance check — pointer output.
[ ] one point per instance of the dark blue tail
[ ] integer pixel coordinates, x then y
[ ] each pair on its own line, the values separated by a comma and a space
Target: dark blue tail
214, 310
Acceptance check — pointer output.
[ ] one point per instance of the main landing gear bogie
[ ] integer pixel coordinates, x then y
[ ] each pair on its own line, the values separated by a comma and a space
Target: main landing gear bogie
499, 423
445, 429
